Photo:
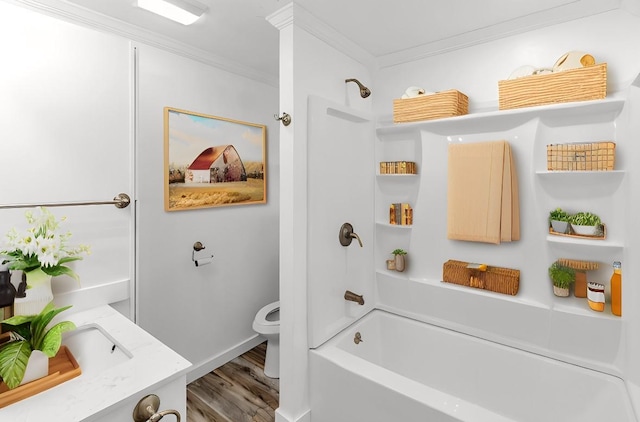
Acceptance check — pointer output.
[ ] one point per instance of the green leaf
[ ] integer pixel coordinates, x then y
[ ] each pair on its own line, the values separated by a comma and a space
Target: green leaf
40, 322
69, 259
14, 357
20, 324
19, 319
61, 270
53, 339
23, 330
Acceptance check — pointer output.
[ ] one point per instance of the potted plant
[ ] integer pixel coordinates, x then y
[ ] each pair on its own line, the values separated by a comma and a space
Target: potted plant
559, 220
399, 257
562, 277
30, 341
585, 223
41, 251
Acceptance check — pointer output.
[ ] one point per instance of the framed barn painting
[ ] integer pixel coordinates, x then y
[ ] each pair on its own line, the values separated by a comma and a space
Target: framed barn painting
211, 161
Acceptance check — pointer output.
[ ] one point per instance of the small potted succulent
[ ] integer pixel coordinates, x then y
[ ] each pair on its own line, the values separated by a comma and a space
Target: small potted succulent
585, 223
399, 257
562, 277
559, 220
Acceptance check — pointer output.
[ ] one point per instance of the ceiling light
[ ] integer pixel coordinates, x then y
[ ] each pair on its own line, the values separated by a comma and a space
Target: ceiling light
182, 11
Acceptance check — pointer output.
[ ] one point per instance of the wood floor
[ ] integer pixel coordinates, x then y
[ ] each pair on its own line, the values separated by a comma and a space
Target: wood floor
238, 391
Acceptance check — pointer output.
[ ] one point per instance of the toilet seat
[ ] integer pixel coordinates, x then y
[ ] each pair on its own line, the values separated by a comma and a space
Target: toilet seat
264, 323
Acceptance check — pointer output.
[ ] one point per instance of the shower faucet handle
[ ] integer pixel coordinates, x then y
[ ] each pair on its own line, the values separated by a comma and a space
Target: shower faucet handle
346, 235
355, 235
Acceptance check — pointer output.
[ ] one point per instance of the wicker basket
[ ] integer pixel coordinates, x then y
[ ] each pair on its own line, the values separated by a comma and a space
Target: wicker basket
581, 156
495, 279
434, 106
582, 84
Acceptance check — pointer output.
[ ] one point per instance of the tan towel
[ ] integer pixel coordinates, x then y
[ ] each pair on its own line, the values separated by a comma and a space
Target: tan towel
515, 202
482, 200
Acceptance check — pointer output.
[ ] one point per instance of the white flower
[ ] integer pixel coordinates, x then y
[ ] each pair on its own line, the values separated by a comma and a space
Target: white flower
41, 246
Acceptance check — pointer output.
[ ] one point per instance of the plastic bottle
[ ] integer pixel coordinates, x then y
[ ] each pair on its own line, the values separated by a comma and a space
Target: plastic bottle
616, 289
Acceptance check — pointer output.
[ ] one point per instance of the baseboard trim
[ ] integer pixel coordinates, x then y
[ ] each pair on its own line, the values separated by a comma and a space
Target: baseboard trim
305, 417
203, 368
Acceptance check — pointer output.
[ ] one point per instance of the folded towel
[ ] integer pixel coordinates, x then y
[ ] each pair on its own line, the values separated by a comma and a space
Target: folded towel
482, 200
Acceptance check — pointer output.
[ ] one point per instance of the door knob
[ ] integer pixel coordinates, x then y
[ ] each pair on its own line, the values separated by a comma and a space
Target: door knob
147, 410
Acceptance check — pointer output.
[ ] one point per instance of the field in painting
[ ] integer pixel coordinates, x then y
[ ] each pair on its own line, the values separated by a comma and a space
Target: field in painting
182, 196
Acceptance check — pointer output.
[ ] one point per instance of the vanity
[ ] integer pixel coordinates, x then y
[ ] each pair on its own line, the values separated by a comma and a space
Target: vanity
121, 364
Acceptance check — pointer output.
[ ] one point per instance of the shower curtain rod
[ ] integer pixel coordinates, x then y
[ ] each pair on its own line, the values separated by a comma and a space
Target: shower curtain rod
122, 200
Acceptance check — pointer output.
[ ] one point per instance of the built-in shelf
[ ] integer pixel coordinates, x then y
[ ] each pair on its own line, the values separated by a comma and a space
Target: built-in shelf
500, 120
610, 176
410, 292
580, 306
481, 292
394, 226
399, 275
569, 305
580, 184
595, 243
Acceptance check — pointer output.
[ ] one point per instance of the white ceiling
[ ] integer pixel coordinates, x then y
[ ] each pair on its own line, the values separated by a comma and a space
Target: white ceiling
236, 35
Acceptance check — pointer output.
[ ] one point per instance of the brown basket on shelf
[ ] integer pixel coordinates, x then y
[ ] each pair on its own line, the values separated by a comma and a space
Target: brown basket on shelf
582, 84
581, 156
495, 279
434, 106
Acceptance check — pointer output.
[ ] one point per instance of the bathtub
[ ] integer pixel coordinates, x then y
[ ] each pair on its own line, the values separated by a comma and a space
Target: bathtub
404, 371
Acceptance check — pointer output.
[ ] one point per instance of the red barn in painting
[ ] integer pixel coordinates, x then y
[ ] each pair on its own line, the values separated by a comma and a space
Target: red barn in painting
215, 165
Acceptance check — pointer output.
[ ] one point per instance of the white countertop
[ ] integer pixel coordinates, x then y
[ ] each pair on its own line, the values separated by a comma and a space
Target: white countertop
151, 363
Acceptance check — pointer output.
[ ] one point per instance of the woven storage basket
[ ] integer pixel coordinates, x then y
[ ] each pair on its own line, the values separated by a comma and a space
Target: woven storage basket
581, 156
582, 84
495, 279
434, 106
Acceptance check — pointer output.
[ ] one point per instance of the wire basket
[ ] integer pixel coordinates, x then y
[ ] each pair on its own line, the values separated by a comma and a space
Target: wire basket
594, 156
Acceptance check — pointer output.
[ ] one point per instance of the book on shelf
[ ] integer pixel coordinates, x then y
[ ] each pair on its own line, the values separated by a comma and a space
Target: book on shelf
398, 167
400, 214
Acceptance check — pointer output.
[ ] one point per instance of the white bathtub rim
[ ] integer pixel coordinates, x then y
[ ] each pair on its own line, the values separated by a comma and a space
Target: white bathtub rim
440, 401
446, 403
611, 370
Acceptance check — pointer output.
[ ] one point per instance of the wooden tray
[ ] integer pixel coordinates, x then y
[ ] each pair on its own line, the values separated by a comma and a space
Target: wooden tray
495, 279
62, 367
580, 236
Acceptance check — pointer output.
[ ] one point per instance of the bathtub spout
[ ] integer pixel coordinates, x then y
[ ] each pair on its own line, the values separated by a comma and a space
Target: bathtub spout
349, 295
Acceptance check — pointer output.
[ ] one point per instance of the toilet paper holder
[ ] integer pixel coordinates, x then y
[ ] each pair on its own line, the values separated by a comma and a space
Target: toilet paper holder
199, 258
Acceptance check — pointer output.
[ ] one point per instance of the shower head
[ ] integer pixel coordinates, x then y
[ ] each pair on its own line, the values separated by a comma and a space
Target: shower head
364, 91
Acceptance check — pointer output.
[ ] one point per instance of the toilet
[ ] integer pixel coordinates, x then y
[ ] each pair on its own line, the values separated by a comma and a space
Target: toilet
267, 324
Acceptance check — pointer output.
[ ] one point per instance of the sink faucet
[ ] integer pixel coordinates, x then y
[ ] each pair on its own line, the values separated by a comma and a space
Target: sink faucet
349, 295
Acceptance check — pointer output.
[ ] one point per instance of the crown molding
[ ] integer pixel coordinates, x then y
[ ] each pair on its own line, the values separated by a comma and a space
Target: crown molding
305, 20
85, 17
545, 18
282, 17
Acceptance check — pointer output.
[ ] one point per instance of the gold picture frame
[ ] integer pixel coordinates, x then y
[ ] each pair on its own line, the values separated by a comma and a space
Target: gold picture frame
212, 161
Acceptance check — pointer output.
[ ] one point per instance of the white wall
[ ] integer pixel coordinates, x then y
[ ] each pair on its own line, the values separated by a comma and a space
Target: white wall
67, 104
202, 312
308, 66
68, 100
536, 320
609, 37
